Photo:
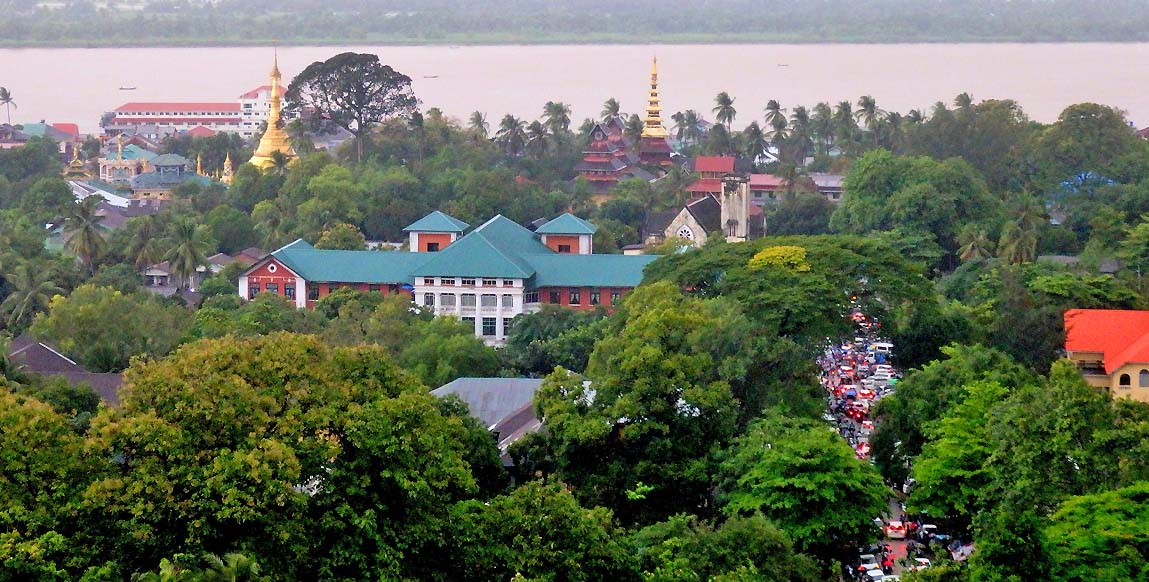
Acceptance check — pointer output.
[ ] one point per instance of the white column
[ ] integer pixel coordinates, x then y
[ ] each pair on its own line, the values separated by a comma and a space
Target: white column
243, 287
300, 292
413, 242
585, 244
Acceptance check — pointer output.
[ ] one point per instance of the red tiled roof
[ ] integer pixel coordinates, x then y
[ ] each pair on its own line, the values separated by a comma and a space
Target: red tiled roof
160, 107
1144, 133
766, 182
254, 93
714, 164
69, 128
1121, 336
706, 185
200, 131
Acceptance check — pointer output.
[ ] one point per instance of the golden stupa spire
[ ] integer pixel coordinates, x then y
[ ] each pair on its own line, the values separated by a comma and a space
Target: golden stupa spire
120, 146
275, 139
652, 125
199, 164
228, 170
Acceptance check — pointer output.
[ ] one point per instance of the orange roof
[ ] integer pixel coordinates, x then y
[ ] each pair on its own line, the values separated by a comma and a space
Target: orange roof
1121, 336
160, 107
706, 185
69, 128
254, 93
713, 164
766, 182
200, 131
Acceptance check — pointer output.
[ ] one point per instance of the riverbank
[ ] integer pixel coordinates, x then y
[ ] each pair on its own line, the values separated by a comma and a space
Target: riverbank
498, 39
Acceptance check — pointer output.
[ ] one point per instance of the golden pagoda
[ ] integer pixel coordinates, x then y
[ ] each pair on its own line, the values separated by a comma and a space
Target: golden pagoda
76, 169
228, 171
275, 139
654, 149
653, 122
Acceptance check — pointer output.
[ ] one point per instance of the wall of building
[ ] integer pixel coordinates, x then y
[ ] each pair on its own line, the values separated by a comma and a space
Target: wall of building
276, 278
572, 241
425, 239
1137, 387
585, 296
685, 218
489, 305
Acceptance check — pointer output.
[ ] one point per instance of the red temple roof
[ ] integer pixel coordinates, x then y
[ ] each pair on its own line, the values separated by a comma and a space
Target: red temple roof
724, 164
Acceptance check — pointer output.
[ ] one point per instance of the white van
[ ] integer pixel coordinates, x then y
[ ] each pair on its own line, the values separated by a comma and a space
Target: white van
883, 348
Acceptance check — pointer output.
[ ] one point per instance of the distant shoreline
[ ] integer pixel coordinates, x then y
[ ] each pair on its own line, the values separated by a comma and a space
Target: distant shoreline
553, 40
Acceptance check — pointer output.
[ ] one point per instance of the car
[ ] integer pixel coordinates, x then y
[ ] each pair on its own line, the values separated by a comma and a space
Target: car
875, 575
869, 562
896, 530
920, 564
891, 578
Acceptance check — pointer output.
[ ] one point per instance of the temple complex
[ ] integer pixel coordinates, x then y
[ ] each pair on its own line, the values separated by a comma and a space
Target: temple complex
654, 147
275, 139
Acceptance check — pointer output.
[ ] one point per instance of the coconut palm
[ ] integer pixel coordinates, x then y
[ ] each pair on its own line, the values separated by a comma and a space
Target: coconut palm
845, 126
512, 135
478, 123
724, 110
868, 112
975, 244
693, 123
801, 134
144, 247
610, 109
755, 140
822, 126
82, 231
679, 125
632, 129
232, 567
187, 251
915, 117
773, 111
720, 142
779, 129
557, 117
538, 139
889, 131
32, 290
7, 102
280, 162
1018, 243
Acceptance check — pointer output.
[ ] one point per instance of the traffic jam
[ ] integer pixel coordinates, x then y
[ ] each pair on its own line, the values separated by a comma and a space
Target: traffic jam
856, 375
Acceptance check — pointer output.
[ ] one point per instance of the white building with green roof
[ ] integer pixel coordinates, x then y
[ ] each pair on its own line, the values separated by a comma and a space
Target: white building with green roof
485, 277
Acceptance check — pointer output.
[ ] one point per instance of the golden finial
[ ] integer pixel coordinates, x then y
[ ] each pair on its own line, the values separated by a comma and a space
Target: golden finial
120, 146
275, 64
199, 164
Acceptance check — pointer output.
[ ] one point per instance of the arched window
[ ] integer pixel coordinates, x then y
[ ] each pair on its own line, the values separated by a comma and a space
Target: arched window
1143, 379
1123, 380
686, 233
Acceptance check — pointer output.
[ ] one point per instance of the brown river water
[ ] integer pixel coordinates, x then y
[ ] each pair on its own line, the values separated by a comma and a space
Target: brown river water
77, 85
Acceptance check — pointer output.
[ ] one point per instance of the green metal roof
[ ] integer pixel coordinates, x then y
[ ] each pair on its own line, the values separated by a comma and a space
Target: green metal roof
494, 249
567, 224
132, 152
349, 266
437, 222
563, 270
170, 160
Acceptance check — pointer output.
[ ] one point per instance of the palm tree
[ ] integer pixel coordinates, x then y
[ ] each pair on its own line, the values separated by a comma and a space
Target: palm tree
633, 127
845, 126
280, 162
755, 140
82, 231
779, 129
512, 135
610, 109
187, 251
233, 567
32, 290
822, 126
557, 117
693, 123
801, 134
868, 112
1018, 243
537, 139
889, 131
915, 117
963, 101
773, 111
719, 141
170, 571
975, 244
478, 123
7, 102
144, 247
724, 110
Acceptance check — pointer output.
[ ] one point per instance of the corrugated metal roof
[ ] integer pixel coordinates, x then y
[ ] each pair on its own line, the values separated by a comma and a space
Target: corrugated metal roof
564, 270
567, 223
492, 400
437, 222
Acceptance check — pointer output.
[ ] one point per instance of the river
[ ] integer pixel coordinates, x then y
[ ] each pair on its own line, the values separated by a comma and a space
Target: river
77, 85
